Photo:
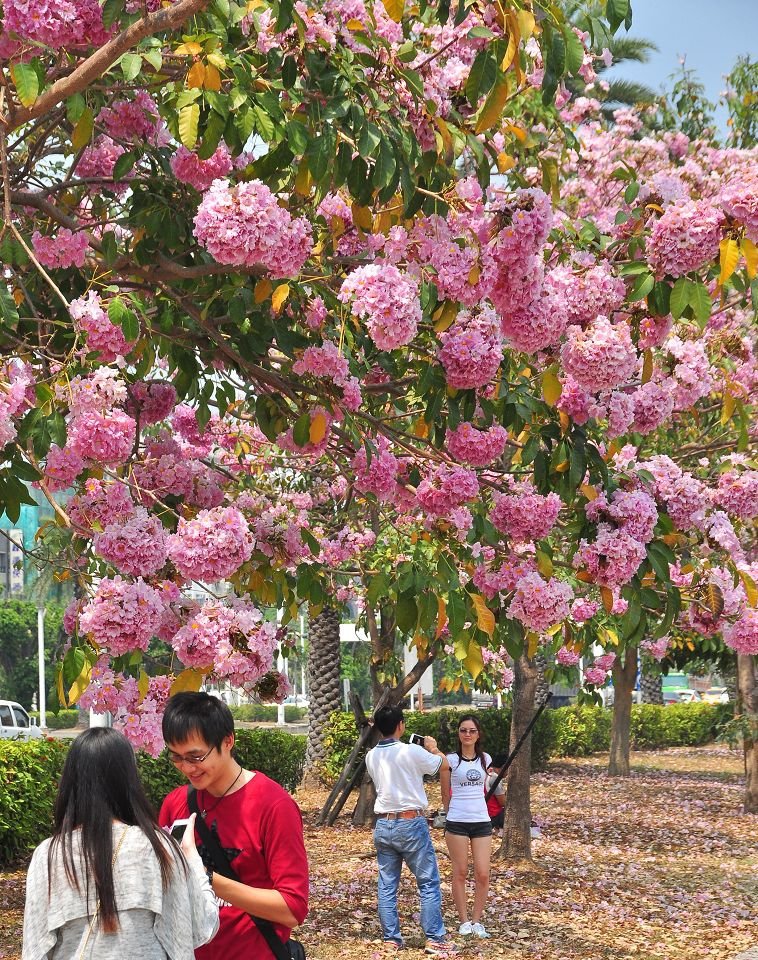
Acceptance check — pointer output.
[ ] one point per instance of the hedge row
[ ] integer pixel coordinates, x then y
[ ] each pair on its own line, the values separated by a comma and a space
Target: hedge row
267, 713
566, 732
62, 720
30, 770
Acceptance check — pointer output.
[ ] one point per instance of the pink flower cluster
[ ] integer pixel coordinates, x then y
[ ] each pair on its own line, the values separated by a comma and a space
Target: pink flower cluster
683, 495
601, 357
102, 336
122, 616
346, 545
56, 23
244, 225
524, 515
65, 249
692, 378
327, 361
583, 610
738, 493
536, 325
105, 438
476, 447
685, 238
134, 121
379, 476
612, 558
200, 174
62, 467
472, 349
525, 220
446, 488
137, 547
387, 300
540, 604
566, 658
657, 649
100, 390
589, 292
633, 511
742, 635
150, 401
211, 546
98, 161
596, 676
740, 200
653, 405
100, 503
490, 582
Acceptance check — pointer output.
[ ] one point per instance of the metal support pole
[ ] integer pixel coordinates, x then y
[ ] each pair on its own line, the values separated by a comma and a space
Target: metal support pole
41, 665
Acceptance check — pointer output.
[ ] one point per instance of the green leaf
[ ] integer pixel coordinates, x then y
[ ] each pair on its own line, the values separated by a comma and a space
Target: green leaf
130, 326
481, 77
700, 301
112, 10
124, 164
8, 309
385, 166
406, 613
377, 589
680, 297
110, 247
82, 132
630, 194
153, 57
616, 12
301, 432
312, 542
131, 64
264, 123
289, 72
641, 287
574, 51
26, 81
189, 117
320, 154
414, 81
75, 106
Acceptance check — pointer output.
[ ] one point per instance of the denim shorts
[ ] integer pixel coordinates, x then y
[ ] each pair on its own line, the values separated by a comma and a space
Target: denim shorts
471, 830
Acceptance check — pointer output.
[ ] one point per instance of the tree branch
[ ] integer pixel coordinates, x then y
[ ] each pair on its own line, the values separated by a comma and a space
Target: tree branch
166, 19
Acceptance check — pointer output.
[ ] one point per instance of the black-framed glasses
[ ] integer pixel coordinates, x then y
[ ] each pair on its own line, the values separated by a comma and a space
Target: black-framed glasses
178, 758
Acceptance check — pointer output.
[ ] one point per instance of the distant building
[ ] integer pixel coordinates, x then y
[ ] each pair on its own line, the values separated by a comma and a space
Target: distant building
16, 571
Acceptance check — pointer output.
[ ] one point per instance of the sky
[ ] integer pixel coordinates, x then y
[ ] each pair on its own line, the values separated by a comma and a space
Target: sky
710, 33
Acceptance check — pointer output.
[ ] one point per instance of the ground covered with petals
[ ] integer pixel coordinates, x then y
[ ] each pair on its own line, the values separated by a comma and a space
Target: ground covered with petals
658, 866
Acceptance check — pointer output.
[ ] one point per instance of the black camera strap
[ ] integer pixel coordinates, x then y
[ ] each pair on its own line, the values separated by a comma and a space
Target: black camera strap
221, 865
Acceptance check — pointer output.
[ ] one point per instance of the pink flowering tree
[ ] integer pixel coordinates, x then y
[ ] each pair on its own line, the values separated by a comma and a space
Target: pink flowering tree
367, 304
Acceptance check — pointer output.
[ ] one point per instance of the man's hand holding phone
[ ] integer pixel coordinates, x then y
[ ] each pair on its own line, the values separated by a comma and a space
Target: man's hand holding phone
183, 831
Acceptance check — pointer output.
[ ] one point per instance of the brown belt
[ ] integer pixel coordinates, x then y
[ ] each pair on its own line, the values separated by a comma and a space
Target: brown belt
400, 815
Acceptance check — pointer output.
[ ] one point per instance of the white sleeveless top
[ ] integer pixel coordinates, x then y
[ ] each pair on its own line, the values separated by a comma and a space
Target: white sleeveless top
467, 781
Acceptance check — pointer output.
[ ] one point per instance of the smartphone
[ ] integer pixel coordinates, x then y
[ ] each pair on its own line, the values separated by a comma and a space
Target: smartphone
177, 829
416, 738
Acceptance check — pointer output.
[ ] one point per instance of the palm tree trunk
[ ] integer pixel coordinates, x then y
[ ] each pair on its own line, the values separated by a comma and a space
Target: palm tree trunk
517, 834
324, 681
748, 686
651, 683
624, 675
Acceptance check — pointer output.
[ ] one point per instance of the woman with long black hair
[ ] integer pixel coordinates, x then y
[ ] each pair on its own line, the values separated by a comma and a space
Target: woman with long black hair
110, 884
468, 824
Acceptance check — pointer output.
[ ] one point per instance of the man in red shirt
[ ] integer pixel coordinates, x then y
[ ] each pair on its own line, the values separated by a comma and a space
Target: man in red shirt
256, 822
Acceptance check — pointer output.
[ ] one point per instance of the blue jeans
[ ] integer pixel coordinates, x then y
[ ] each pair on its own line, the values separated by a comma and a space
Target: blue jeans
407, 840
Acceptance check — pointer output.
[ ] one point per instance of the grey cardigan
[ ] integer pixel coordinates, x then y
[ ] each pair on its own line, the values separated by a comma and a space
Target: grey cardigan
154, 924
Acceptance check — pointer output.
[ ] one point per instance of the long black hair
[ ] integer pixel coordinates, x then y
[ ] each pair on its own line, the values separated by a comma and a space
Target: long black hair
478, 752
99, 784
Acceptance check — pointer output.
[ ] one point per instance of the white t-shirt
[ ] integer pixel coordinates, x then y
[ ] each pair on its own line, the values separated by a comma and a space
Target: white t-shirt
467, 780
397, 770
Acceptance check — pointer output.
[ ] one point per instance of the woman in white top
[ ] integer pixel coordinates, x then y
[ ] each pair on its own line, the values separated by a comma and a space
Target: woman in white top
468, 823
110, 884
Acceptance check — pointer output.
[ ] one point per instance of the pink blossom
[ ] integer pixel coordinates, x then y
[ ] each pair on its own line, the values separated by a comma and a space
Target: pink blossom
620, 413
503, 580
446, 488
102, 438
540, 604
524, 515
62, 467
476, 447
212, 546
657, 649
685, 238
653, 405
100, 503
200, 174
137, 547
102, 336
583, 610
122, 616
243, 225
605, 662
738, 493
601, 357
740, 200
387, 300
472, 349
742, 635
566, 657
525, 219
612, 559
65, 249
595, 675
134, 121
151, 402
378, 476
324, 361
64, 23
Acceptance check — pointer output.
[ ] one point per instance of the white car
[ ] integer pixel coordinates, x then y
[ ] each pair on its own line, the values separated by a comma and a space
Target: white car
15, 723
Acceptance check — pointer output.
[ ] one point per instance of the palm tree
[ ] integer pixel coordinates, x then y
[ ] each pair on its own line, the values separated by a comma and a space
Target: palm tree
324, 680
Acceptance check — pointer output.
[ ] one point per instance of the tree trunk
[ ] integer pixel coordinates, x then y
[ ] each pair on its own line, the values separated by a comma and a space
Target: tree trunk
382, 631
748, 687
542, 687
651, 682
517, 836
624, 675
324, 681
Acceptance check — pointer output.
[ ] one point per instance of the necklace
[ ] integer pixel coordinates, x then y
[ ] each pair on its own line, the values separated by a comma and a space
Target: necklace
468, 759
206, 810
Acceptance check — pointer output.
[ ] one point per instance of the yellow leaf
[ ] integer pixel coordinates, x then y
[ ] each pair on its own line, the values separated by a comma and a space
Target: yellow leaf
395, 9
533, 640
447, 140
563, 466
492, 111
303, 180
82, 132
143, 684
526, 23
551, 388
421, 428
262, 290
647, 366
279, 297
505, 162
317, 431
190, 49
518, 132
612, 636
337, 227
510, 52
544, 564
728, 407
354, 24
59, 687
444, 315
474, 661
212, 79
217, 60
196, 74
751, 590
441, 617
18, 296
589, 491
485, 618
474, 274
362, 217
256, 581
607, 597
189, 680
750, 253
80, 684
565, 421
729, 258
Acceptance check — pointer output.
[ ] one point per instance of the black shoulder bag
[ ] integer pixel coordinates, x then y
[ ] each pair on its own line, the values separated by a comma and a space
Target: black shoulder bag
292, 949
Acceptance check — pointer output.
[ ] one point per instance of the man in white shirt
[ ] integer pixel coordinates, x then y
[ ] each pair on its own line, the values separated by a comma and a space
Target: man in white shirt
401, 833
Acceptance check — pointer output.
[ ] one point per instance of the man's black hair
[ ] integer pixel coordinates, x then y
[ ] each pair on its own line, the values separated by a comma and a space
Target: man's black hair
387, 719
498, 760
197, 713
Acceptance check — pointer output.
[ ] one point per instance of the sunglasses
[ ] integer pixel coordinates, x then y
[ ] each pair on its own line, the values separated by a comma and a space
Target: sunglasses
468, 732
178, 758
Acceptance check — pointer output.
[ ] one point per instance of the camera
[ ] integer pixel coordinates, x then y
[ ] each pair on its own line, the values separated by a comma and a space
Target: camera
416, 738
177, 829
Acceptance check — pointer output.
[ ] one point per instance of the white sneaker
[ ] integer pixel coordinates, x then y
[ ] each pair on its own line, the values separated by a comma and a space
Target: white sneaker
478, 930
466, 929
